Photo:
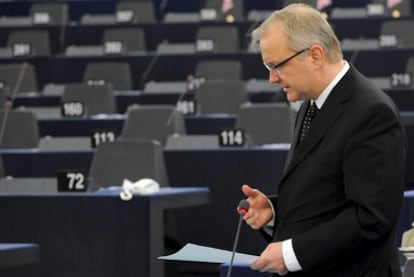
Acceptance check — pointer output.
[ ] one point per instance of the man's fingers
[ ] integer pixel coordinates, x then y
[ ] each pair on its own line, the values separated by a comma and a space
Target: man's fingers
248, 191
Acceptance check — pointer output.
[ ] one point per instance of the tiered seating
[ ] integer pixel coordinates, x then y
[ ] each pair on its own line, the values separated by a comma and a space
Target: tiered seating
140, 41
187, 59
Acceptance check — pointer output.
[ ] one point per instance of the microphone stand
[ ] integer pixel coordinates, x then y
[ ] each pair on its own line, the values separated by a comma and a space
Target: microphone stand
242, 208
236, 239
8, 105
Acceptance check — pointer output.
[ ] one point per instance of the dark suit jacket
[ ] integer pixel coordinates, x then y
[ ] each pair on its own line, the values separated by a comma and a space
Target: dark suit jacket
340, 196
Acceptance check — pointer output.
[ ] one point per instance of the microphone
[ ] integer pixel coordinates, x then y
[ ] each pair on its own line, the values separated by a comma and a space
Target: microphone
172, 114
242, 209
149, 67
249, 30
63, 25
163, 5
8, 105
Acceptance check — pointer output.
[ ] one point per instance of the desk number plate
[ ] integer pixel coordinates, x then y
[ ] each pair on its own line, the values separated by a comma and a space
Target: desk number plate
72, 181
231, 137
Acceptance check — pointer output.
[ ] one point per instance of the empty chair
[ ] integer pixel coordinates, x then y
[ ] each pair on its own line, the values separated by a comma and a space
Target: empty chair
153, 122
359, 44
133, 12
401, 8
187, 142
258, 15
130, 159
320, 5
348, 12
18, 77
71, 143
130, 39
220, 96
29, 43
116, 73
18, 129
181, 17
96, 99
2, 171
175, 48
233, 13
126, 12
312, 3
49, 13
217, 39
28, 185
219, 69
409, 268
409, 67
266, 123
115, 41
401, 29
165, 87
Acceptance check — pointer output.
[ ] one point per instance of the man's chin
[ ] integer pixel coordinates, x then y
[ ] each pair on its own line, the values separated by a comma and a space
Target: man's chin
291, 97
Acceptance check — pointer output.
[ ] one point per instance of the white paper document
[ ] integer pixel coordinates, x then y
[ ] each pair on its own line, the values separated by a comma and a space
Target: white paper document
197, 253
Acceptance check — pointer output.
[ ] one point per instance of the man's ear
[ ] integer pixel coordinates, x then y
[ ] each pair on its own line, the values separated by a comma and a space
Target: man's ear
317, 54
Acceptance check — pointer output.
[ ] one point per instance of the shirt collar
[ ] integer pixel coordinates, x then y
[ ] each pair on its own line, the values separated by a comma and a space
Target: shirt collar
325, 93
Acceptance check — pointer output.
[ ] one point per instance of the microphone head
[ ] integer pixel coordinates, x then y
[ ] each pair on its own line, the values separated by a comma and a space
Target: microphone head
243, 207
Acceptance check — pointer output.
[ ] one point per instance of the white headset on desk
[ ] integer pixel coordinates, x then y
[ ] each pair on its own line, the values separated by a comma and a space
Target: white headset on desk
143, 186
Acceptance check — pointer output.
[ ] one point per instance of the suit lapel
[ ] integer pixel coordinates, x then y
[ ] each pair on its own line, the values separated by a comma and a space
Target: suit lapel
326, 117
298, 124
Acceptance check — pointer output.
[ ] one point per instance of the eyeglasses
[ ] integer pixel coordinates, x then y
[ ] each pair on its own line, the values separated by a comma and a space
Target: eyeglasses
276, 67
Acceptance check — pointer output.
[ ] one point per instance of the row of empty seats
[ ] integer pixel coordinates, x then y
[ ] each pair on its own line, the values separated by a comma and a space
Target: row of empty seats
136, 159
211, 39
263, 123
23, 77
18, 79
211, 10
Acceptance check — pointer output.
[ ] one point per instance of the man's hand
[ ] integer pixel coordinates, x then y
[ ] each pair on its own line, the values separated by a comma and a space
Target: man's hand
271, 260
260, 211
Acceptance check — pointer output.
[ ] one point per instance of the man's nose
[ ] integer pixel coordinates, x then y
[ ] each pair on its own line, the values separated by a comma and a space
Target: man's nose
273, 77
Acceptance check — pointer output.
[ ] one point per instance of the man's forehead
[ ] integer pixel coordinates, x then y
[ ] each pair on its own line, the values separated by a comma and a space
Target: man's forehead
274, 37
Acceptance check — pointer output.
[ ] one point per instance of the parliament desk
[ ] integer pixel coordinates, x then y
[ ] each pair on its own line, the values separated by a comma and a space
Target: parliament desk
95, 234
195, 125
223, 171
14, 255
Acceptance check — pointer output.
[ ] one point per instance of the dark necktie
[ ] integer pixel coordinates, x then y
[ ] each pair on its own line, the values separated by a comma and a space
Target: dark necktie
310, 114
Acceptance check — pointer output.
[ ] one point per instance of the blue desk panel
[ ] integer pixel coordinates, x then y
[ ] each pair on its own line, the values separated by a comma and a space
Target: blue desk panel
72, 127
18, 254
95, 234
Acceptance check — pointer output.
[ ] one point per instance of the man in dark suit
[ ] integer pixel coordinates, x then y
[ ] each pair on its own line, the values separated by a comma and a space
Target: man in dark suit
337, 204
